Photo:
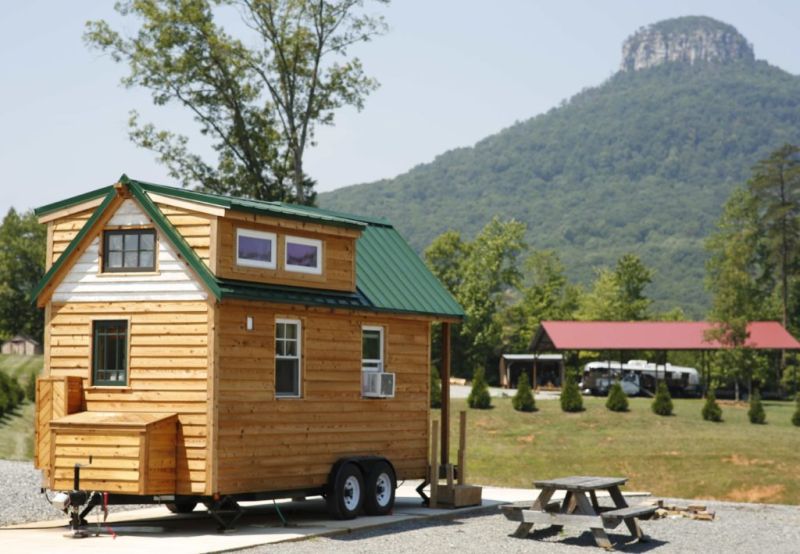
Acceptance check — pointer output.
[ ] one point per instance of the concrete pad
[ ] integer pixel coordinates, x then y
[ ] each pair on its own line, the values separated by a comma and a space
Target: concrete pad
157, 530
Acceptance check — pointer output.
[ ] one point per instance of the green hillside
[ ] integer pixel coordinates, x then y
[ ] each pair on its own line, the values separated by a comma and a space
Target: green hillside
641, 163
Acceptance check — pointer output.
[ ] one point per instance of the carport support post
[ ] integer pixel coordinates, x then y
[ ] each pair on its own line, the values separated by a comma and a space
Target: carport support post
445, 394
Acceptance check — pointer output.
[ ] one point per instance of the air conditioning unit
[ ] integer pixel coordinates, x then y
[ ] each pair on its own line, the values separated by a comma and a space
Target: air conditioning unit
377, 384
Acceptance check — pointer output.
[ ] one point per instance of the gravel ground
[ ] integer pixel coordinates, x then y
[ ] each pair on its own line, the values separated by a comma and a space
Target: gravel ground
741, 528
22, 502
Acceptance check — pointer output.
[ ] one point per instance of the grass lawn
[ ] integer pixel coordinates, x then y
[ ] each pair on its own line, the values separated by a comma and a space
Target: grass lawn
681, 456
16, 429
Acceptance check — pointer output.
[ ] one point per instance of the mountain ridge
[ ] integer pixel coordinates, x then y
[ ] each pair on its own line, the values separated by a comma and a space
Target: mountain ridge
641, 163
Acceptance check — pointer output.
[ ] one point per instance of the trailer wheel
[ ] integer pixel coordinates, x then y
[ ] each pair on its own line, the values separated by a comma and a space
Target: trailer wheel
346, 495
380, 483
182, 506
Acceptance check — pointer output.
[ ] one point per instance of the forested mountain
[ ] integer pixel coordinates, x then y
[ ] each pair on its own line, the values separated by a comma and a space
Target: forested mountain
641, 163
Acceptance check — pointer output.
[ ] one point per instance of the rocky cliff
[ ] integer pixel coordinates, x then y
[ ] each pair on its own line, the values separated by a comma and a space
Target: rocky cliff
685, 39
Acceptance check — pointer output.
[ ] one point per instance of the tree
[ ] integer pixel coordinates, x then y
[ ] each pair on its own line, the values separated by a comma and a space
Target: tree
478, 273
436, 389
523, 400
775, 186
796, 414
22, 257
548, 296
258, 105
662, 403
479, 397
617, 399
618, 295
737, 274
711, 410
571, 399
756, 412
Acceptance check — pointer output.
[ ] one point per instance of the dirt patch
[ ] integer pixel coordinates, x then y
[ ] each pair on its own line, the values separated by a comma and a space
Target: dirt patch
742, 461
763, 493
526, 439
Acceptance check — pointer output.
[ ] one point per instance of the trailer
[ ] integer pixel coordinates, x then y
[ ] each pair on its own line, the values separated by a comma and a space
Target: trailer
203, 349
639, 377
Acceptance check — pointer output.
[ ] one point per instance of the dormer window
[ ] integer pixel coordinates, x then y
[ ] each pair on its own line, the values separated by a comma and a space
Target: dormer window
303, 255
255, 248
129, 250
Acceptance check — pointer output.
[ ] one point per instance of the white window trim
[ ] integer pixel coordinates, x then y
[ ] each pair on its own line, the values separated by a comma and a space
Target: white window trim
381, 361
256, 235
301, 268
299, 358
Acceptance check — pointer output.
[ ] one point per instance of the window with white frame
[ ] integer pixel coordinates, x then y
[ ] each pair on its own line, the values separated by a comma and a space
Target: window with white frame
255, 248
303, 255
287, 358
371, 348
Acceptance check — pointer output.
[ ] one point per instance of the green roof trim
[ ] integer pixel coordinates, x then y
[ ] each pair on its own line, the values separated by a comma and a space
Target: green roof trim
62, 259
177, 240
61, 204
390, 276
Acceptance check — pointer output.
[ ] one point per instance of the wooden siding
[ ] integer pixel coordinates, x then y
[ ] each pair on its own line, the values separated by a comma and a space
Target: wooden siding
269, 444
338, 265
194, 227
168, 368
55, 398
63, 230
132, 453
172, 280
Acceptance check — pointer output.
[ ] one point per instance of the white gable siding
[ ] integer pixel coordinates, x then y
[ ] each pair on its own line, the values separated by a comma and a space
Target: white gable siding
85, 283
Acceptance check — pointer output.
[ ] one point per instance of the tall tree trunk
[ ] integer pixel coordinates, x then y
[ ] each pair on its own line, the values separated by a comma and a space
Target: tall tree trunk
297, 177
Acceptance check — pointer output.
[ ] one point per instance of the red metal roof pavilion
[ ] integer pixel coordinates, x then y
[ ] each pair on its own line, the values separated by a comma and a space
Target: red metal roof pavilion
652, 335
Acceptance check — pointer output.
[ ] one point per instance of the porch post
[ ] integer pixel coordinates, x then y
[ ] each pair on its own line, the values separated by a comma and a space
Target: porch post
445, 393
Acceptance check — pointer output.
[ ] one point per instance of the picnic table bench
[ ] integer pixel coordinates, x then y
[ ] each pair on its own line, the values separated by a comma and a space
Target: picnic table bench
579, 510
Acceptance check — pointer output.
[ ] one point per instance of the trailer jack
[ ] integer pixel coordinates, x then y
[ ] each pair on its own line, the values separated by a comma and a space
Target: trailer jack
225, 511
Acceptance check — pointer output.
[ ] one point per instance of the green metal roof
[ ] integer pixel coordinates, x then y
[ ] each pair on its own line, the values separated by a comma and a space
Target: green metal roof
390, 276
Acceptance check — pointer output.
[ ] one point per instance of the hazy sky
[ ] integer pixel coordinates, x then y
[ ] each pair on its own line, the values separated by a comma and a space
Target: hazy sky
451, 72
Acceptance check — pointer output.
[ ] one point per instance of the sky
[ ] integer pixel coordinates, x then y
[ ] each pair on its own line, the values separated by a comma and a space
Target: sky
451, 73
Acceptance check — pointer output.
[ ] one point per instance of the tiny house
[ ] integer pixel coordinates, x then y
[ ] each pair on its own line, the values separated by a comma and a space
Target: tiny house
202, 348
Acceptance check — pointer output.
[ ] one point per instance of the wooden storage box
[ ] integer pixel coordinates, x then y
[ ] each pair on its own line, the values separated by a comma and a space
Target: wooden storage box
122, 452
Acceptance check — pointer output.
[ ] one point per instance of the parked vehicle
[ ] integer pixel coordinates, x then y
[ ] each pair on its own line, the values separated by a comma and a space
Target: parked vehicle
640, 377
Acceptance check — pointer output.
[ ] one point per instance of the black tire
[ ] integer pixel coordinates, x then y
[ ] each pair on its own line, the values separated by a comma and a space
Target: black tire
346, 492
380, 484
182, 506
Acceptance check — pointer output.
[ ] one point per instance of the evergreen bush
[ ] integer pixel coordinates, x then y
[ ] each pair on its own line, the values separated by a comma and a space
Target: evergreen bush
436, 389
796, 415
479, 397
3, 402
617, 399
571, 399
30, 387
711, 410
523, 400
662, 403
756, 412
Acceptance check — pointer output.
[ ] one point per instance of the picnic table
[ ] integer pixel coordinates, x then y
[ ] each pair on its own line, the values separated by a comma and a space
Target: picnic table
579, 508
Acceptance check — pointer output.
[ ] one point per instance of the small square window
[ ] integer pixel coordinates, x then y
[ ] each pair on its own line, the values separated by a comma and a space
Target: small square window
372, 348
303, 255
129, 250
255, 248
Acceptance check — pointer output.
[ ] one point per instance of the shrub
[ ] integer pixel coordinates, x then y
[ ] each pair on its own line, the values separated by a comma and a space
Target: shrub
7, 397
662, 403
30, 387
479, 397
523, 400
711, 410
3, 402
571, 399
756, 412
617, 399
796, 415
436, 389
